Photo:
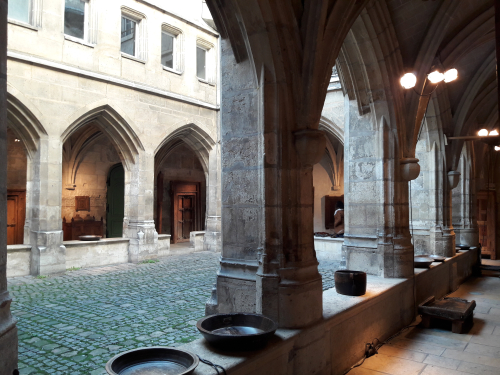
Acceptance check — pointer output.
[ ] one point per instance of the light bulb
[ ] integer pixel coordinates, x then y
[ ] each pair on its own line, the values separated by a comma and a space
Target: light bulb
497, 148
408, 81
435, 77
483, 133
493, 132
450, 75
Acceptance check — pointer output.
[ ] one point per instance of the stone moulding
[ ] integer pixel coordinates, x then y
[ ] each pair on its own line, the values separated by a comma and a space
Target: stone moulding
453, 179
310, 145
410, 169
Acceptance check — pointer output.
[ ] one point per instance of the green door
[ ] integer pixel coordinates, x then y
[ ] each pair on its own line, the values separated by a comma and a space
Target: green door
115, 202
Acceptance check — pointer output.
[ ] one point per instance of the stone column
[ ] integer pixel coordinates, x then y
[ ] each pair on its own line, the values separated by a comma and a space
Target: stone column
268, 264
48, 254
8, 330
377, 238
138, 223
212, 239
447, 248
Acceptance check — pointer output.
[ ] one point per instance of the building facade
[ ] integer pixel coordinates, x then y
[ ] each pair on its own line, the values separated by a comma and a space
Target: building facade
112, 126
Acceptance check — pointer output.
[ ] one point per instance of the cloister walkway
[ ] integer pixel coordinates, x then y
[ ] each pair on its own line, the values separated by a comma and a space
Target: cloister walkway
75, 322
441, 352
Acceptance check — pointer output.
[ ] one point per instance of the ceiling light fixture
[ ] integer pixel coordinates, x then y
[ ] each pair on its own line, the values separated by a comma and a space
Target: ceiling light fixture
493, 132
408, 81
450, 75
435, 77
483, 133
497, 148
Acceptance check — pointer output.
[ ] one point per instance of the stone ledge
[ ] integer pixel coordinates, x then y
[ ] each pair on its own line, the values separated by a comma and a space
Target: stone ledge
18, 248
337, 342
163, 237
328, 239
102, 241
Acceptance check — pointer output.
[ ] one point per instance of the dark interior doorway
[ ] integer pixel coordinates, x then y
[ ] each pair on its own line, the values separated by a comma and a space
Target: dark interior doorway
186, 210
115, 201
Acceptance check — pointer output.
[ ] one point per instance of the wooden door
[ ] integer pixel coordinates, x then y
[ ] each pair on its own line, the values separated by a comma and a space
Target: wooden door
115, 206
486, 221
159, 203
186, 210
16, 208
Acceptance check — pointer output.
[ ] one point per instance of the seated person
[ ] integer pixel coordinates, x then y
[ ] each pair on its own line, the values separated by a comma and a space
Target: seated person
338, 223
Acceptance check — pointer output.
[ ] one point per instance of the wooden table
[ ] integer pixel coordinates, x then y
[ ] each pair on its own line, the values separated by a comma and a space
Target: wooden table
459, 311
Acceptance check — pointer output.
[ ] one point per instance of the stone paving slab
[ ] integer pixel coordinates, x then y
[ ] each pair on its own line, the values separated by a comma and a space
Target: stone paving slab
75, 322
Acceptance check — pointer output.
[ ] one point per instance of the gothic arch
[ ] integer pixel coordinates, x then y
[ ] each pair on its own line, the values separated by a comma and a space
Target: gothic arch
194, 136
112, 122
24, 119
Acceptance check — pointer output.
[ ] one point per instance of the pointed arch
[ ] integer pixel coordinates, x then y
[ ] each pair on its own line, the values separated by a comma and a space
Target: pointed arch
24, 120
194, 136
112, 122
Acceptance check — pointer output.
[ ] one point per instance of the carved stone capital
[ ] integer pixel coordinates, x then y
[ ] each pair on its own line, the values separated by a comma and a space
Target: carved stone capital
453, 179
310, 146
410, 169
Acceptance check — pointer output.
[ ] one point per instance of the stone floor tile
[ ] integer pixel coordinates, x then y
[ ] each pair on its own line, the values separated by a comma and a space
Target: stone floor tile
442, 362
490, 351
436, 370
393, 365
489, 340
472, 358
495, 311
421, 347
430, 338
496, 330
365, 371
477, 369
402, 353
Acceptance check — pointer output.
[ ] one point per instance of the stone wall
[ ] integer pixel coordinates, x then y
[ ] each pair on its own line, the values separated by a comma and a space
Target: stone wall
323, 186
90, 180
181, 165
17, 162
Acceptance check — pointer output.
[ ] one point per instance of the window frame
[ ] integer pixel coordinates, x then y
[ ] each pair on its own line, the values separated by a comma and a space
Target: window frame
34, 16
210, 65
206, 63
174, 50
86, 23
141, 50
178, 54
136, 31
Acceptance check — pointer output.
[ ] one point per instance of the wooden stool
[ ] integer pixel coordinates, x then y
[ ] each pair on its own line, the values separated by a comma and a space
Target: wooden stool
458, 310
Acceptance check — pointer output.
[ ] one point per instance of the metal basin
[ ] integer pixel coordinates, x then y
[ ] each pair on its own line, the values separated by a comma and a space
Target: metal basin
422, 262
463, 247
435, 258
350, 283
239, 331
89, 238
159, 360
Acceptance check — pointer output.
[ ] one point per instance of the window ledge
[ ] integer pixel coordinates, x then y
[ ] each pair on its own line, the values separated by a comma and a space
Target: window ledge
130, 57
171, 70
79, 41
22, 24
205, 81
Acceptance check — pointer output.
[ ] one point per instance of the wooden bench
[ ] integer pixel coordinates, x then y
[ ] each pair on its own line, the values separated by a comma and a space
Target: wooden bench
458, 311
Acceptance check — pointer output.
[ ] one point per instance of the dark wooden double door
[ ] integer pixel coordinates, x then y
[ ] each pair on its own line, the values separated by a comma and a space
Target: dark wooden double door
186, 209
16, 212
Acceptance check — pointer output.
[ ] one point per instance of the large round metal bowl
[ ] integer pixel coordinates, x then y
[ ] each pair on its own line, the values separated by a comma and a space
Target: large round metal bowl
350, 283
89, 237
463, 247
156, 360
435, 258
422, 262
240, 331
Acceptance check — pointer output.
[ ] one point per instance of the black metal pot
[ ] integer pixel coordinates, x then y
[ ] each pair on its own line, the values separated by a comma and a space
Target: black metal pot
350, 283
153, 360
240, 331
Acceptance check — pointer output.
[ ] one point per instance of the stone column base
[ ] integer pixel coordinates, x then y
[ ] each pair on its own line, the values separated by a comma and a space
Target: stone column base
442, 242
213, 239
48, 254
8, 337
467, 236
143, 240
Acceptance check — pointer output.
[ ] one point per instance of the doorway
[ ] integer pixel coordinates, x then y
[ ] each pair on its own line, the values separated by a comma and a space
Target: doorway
115, 201
186, 210
16, 208
486, 222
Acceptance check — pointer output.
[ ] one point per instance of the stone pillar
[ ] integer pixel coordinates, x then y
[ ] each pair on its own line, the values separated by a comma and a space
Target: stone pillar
212, 239
268, 264
48, 254
8, 330
138, 223
377, 238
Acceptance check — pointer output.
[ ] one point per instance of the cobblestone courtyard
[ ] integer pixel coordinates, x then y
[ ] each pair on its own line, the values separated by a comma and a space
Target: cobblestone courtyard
74, 323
